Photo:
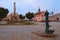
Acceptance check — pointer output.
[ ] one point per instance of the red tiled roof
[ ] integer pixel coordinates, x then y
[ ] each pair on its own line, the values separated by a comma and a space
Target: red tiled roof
55, 15
40, 12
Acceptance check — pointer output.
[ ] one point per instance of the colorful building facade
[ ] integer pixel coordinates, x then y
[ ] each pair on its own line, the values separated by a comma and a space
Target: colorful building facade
39, 16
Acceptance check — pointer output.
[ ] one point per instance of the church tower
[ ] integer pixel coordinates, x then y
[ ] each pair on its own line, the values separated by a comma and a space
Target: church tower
39, 9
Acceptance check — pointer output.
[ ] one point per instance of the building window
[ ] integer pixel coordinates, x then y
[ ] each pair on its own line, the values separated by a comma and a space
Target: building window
39, 18
57, 18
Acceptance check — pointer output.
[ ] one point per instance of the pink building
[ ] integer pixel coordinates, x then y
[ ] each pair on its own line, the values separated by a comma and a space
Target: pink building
39, 16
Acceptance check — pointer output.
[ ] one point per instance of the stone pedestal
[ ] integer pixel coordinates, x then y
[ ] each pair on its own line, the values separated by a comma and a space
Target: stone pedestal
44, 36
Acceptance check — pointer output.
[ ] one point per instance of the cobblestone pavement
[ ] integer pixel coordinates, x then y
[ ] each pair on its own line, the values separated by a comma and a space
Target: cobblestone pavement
23, 32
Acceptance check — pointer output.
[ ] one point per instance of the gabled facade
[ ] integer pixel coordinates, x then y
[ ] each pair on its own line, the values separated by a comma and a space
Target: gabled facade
39, 16
55, 17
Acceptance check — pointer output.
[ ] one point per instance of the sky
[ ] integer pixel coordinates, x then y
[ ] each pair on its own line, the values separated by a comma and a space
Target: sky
24, 6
